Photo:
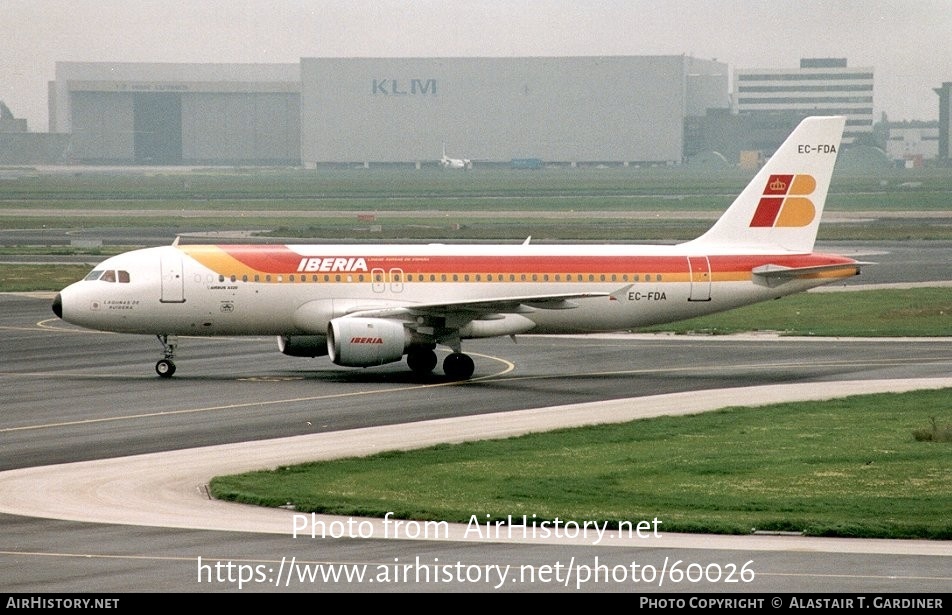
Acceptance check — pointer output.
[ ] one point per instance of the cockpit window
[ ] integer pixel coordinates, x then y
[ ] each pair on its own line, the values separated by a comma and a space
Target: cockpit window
108, 275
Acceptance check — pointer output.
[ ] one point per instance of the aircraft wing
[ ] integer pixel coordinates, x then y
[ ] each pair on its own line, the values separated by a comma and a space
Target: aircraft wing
475, 309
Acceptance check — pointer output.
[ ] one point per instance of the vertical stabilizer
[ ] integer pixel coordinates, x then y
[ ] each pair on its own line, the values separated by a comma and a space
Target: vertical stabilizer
780, 209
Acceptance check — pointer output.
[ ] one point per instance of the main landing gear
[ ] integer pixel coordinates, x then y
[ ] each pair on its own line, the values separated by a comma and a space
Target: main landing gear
166, 367
421, 360
456, 366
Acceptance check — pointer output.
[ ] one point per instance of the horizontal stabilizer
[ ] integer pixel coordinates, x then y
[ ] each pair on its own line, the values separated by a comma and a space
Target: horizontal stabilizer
774, 275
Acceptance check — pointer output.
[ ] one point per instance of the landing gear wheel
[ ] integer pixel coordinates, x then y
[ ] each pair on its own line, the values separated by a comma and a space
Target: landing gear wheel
458, 366
421, 361
165, 368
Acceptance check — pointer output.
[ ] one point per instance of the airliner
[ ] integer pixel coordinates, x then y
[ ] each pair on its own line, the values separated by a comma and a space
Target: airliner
365, 305
455, 163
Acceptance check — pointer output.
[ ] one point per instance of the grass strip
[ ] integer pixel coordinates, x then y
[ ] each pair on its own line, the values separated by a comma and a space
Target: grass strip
913, 312
847, 467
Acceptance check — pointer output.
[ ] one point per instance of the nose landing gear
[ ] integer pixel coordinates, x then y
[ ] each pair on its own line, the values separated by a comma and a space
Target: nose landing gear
166, 367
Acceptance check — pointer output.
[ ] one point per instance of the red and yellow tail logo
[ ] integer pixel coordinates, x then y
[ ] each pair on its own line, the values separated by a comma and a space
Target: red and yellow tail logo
784, 202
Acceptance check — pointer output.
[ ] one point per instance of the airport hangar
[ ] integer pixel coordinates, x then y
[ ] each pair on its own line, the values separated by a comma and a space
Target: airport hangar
385, 111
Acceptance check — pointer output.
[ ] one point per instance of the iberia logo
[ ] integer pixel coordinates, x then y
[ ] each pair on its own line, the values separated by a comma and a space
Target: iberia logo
784, 202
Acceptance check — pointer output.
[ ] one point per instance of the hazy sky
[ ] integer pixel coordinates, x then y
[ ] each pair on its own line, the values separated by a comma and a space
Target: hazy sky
907, 42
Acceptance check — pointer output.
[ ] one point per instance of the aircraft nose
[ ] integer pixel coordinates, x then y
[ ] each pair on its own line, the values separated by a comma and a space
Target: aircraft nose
58, 305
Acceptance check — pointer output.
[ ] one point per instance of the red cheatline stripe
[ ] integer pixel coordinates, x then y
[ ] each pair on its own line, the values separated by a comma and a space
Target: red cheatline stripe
281, 260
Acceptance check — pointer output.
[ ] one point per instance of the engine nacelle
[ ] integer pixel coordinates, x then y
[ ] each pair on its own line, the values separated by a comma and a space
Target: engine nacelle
362, 342
303, 345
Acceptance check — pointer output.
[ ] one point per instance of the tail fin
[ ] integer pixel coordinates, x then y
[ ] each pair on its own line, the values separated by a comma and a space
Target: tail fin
780, 208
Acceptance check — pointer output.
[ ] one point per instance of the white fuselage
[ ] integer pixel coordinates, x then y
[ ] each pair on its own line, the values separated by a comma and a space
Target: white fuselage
296, 290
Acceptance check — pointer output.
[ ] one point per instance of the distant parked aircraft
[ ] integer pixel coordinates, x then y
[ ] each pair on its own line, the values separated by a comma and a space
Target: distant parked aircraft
455, 163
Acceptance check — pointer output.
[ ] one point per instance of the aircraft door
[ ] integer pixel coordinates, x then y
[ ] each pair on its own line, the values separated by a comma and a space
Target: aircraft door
379, 279
700, 272
396, 280
173, 280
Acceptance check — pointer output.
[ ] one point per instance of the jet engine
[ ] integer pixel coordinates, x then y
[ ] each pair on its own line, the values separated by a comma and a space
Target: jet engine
362, 342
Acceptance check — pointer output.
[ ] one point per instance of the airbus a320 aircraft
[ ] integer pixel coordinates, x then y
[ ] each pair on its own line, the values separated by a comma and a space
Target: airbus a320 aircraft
368, 305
